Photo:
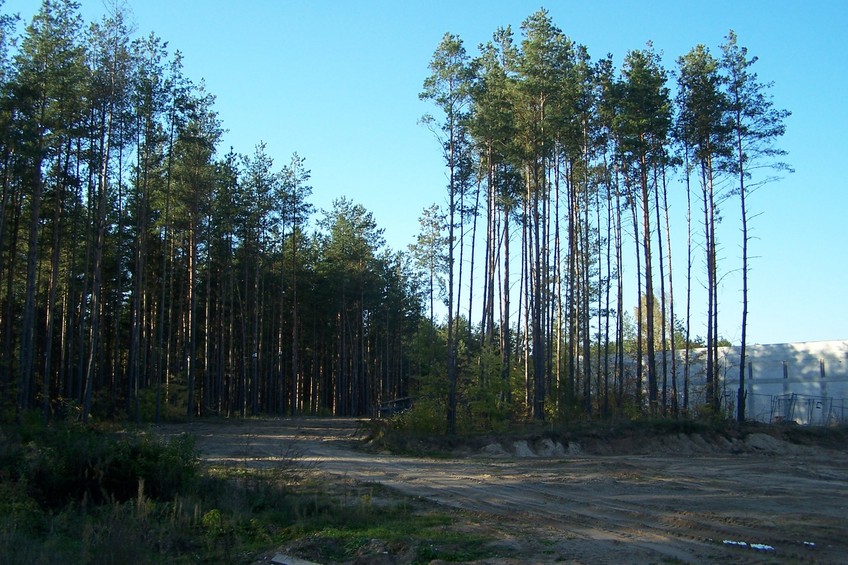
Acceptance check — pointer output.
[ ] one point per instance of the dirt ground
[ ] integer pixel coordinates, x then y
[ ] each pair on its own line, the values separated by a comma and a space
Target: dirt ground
682, 500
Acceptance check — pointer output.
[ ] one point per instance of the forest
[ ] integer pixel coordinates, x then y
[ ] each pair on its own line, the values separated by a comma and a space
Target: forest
146, 273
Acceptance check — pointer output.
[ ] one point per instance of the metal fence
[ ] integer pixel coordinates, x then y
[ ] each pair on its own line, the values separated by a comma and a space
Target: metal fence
809, 410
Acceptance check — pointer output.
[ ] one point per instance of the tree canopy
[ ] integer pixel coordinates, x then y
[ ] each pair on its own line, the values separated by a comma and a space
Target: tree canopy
145, 273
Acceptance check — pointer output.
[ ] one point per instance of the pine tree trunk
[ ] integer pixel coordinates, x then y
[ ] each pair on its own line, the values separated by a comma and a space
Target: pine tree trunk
740, 394
506, 339
649, 290
639, 307
663, 311
28, 324
674, 397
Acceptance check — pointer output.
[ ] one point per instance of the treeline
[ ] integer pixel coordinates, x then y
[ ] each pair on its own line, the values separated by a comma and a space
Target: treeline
559, 170
145, 275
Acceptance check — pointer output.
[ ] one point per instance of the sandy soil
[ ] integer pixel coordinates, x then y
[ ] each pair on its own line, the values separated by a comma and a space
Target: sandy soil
737, 506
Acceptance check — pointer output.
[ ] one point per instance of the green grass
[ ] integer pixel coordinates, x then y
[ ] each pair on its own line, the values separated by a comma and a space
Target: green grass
426, 536
75, 494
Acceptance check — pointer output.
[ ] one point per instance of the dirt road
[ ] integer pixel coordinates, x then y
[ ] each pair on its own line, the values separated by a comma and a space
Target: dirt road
728, 508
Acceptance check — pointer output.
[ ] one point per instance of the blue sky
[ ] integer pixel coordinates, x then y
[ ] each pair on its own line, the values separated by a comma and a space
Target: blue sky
338, 82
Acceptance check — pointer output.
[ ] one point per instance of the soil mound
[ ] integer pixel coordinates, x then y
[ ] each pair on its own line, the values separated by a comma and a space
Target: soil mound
769, 441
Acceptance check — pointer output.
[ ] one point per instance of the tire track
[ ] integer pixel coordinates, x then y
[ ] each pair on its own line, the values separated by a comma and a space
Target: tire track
591, 509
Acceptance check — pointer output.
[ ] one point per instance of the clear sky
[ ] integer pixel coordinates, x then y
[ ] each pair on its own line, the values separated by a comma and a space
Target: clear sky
338, 82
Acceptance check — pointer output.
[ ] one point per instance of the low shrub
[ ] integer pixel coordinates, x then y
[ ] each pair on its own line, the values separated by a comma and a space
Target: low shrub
69, 462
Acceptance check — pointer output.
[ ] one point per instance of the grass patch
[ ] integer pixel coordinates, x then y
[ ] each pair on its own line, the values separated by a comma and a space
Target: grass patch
419, 536
77, 494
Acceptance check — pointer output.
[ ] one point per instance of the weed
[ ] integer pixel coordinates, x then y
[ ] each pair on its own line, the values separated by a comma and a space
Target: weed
75, 494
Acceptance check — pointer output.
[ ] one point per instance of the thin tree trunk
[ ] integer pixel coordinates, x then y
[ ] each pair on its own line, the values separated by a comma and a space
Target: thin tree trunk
587, 258
191, 357
558, 278
663, 311
97, 284
574, 290
710, 369
95, 339
672, 320
451, 369
619, 302
6, 268
506, 341
740, 394
524, 294
471, 266
639, 308
687, 338
538, 343
606, 316
28, 325
649, 289
54, 282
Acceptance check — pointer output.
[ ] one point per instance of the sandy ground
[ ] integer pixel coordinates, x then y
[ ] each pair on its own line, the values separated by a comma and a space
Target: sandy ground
778, 506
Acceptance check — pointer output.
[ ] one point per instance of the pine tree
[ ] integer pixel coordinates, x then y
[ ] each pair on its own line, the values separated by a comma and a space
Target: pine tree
294, 194
644, 121
755, 125
429, 256
545, 64
47, 97
448, 88
194, 178
705, 134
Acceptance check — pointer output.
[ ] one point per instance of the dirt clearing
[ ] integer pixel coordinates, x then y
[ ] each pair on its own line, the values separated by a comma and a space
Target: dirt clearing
744, 503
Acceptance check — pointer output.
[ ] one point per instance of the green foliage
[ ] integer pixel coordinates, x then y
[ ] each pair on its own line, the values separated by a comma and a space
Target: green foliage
426, 535
19, 510
64, 463
88, 495
72, 493
709, 413
426, 417
134, 248
173, 402
212, 522
182, 269
484, 395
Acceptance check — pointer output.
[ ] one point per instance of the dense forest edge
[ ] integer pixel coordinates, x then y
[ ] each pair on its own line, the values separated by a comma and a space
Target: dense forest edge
146, 274
149, 275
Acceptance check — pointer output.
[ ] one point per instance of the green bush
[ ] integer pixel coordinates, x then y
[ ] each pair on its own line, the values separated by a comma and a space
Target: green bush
18, 511
172, 406
72, 463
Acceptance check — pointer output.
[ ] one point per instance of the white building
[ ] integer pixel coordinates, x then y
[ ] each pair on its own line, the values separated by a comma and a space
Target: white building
802, 382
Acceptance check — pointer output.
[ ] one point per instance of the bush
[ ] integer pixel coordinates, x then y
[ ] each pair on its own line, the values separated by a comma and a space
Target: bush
18, 511
72, 463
